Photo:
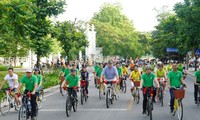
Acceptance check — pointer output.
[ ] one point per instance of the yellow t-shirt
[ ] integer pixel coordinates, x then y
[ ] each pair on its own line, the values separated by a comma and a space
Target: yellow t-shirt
124, 70
160, 73
135, 75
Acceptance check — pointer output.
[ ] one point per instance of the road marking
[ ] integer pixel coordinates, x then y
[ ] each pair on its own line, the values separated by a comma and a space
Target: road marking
130, 104
50, 94
84, 110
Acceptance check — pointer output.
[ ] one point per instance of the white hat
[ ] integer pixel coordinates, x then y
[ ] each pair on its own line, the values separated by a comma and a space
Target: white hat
28, 70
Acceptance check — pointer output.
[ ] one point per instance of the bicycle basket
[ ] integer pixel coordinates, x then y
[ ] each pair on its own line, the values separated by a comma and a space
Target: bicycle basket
136, 83
83, 83
179, 94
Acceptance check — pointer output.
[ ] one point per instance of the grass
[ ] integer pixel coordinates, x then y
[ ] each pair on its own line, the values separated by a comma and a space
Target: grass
49, 80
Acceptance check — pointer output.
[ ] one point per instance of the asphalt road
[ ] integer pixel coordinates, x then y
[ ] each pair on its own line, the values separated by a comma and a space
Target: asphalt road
122, 109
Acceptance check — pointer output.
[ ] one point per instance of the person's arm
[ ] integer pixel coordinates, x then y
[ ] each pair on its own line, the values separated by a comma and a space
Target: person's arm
2, 83
40, 81
102, 74
168, 80
19, 88
141, 83
35, 86
157, 83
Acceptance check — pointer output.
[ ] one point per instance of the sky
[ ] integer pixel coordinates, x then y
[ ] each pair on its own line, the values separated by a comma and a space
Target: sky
141, 12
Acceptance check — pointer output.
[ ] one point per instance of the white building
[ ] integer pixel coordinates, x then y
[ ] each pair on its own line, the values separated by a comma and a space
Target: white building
91, 37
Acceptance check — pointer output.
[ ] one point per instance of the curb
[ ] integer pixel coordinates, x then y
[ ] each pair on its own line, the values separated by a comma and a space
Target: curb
51, 88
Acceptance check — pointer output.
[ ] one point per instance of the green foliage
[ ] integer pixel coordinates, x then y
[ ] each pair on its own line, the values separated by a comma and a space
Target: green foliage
3, 68
115, 32
72, 39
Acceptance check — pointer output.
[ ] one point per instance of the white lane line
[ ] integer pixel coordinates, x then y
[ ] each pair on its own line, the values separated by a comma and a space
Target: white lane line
86, 110
50, 94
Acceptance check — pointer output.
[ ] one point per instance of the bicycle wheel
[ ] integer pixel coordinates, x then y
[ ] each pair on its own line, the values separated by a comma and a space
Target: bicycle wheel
108, 98
68, 107
124, 86
39, 99
149, 108
85, 96
180, 110
161, 97
74, 104
100, 94
23, 113
137, 96
82, 96
5, 105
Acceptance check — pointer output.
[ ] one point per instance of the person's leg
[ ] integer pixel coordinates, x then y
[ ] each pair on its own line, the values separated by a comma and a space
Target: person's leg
195, 92
16, 97
86, 88
171, 99
33, 105
144, 103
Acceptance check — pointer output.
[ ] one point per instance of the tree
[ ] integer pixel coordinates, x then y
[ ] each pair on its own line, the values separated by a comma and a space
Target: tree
115, 32
145, 39
41, 38
72, 38
16, 19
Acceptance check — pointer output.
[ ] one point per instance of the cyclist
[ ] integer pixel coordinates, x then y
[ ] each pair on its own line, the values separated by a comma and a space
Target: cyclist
72, 80
39, 76
62, 70
110, 73
134, 76
85, 76
175, 79
31, 84
169, 67
96, 67
147, 80
99, 71
124, 70
67, 70
12, 79
197, 81
74, 67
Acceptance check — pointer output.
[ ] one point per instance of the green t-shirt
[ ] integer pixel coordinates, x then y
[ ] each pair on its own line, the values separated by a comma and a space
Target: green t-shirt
72, 80
39, 76
169, 67
160, 73
148, 79
62, 70
96, 67
66, 72
29, 82
99, 71
119, 70
197, 75
175, 78
180, 68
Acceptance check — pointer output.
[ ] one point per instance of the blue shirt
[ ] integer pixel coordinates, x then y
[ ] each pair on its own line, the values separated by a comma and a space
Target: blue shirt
110, 73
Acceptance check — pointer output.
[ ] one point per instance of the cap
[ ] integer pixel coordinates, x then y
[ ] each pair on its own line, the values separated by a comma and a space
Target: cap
110, 62
28, 70
72, 70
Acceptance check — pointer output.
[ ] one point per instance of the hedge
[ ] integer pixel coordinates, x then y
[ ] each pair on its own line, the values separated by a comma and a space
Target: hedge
3, 68
51, 80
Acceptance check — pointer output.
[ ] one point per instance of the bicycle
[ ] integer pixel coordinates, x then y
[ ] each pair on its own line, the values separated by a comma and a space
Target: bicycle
101, 88
179, 94
198, 94
110, 93
39, 98
149, 92
160, 91
136, 94
7, 102
71, 101
25, 109
123, 84
83, 92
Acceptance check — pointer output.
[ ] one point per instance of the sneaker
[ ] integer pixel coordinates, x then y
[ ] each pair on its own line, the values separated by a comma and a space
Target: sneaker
104, 93
33, 118
144, 112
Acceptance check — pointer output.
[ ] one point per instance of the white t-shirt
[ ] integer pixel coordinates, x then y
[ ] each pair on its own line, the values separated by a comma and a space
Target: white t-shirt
11, 80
